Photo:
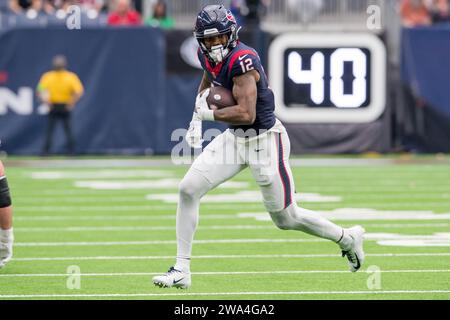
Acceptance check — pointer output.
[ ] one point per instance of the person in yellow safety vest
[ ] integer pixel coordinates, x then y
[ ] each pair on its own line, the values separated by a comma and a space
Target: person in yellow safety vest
60, 89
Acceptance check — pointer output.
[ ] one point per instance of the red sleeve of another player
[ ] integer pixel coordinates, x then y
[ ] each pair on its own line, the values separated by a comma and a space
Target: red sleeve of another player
242, 62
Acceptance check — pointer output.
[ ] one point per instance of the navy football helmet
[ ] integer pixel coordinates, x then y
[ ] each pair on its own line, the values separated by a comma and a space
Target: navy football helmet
212, 21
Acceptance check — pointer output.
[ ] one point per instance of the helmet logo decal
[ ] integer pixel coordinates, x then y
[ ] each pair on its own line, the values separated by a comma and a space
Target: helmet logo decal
230, 17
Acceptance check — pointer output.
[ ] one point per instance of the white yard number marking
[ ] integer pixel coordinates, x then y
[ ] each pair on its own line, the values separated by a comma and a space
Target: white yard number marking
247, 65
316, 76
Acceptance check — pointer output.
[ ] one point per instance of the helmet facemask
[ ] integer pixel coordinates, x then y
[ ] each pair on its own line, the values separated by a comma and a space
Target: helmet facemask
217, 53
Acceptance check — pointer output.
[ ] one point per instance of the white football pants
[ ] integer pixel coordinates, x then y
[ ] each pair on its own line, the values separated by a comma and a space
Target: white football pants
267, 157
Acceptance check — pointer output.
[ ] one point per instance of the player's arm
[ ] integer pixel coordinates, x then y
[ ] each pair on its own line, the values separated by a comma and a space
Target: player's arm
205, 83
245, 93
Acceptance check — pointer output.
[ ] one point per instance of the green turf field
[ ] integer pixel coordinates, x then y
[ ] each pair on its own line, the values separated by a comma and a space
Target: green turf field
117, 227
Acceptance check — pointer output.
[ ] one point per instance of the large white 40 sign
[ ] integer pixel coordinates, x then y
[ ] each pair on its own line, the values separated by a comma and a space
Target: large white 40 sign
328, 78
316, 76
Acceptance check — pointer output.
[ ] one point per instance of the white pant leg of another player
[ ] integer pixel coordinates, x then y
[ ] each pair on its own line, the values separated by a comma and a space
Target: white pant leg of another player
210, 169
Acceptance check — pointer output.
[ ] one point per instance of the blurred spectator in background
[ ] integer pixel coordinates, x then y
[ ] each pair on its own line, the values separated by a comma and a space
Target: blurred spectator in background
138, 5
18, 6
97, 5
14, 6
58, 4
62, 7
124, 15
60, 90
239, 10
160, 16
257, 9
249, 12
304, 11
91, 8
415, 13
39, 7
439, 10
249, 16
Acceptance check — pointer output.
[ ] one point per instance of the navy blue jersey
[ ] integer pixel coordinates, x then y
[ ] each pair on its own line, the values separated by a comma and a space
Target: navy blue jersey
240, 60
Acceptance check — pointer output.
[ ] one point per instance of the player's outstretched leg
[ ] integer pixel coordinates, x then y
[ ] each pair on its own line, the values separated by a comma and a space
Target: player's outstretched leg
350, 240
278, 189
6, 230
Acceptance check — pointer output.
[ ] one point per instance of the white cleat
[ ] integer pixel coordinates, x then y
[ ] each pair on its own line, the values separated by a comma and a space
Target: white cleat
6, 252
173, 278
355, 252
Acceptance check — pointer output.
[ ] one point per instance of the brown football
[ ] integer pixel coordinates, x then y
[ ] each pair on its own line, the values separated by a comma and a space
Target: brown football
220, 97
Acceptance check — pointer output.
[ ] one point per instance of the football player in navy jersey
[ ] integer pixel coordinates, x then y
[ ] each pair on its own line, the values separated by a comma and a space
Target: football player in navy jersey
255, 139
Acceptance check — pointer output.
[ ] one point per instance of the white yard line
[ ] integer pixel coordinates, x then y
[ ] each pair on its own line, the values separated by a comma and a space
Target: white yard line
122, 213
36, 196
125, 209
222, 204
364, 214
197, 242
218, 273
124, 217
39, 200
406, 225
243, 196
100, 174
168, 183
141, 228
436, 239
237, 256
120, 163
215, 227
256, 293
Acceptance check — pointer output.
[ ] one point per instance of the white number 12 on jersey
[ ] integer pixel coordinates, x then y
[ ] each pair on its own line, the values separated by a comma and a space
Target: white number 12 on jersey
247, 65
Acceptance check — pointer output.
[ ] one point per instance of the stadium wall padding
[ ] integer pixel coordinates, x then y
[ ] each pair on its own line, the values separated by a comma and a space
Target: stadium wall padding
425, 74
137, 93
123, 70
132, 102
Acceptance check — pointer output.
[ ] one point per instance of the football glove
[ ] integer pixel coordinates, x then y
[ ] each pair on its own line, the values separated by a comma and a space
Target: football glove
201, 107
194, 133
